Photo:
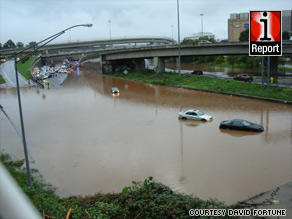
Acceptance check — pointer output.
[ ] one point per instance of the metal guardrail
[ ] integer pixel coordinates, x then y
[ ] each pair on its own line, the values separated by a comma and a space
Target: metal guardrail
13, 202
80, 44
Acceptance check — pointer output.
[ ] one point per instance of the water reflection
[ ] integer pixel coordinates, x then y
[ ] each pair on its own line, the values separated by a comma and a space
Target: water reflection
236, 133
84, 140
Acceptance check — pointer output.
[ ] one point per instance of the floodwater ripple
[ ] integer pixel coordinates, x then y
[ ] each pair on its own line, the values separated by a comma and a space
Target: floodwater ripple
84, 140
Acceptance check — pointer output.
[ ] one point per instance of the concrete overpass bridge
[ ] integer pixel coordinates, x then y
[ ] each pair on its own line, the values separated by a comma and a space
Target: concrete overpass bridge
98, 44
111, 60
117, 59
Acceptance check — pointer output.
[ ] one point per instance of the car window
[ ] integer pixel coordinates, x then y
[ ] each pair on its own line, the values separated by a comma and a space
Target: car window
237, 123
200, 113
246, 123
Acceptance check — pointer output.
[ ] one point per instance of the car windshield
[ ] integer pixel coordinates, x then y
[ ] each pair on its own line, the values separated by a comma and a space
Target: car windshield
246, 123
200, 113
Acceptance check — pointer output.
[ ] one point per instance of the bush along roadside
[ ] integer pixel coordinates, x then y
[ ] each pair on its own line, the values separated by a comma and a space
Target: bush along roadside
204, 83
147, 199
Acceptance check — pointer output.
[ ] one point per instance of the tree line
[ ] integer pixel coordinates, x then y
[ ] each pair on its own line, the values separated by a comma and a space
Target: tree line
243, 61
244, 36
10, 45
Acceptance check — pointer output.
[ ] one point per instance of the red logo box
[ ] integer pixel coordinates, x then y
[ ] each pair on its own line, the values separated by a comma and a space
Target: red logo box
265, 33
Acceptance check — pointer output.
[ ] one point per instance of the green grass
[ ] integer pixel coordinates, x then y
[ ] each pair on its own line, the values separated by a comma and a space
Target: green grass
24, 68
147, 199
285, 68
2, 80
210, 84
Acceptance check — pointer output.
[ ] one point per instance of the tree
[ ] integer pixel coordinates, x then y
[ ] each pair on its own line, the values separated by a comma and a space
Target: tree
244, 35
20, 45
220, 59
32, 43
243, 59
281, 60
211, 59
212, 40
9, 45
250, 62
188, 42
232, 60
285, 35
257, 61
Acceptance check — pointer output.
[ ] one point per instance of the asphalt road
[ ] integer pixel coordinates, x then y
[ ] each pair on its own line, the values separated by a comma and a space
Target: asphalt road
7, 70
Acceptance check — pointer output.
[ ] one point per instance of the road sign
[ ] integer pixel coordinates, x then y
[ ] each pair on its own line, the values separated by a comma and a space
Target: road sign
265, 33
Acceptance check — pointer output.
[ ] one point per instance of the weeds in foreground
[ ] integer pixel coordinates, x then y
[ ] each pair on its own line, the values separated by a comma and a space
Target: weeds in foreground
147, 199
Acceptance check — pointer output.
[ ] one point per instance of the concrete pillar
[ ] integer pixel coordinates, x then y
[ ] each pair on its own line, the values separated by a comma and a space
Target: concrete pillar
139, 64
159, 65
100, 68
274, 65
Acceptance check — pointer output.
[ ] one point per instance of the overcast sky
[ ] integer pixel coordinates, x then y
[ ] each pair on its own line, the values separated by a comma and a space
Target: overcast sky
34, 20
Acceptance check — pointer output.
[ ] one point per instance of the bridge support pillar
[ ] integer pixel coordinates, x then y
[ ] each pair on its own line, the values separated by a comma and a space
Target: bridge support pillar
159, 65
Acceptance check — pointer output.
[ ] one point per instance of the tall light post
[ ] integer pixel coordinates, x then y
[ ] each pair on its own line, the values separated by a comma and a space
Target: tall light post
109, 26
35, 47
202, 24
172, 31
179, 62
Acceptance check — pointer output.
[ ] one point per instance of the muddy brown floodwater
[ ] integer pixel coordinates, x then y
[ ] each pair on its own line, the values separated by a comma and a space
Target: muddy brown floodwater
84, 140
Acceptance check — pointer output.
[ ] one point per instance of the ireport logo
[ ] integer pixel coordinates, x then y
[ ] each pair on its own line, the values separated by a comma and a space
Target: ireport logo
265, 34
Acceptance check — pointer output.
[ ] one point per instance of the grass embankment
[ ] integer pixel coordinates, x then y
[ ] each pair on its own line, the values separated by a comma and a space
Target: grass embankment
2, 80
210, 84
146, 199
284, 69
24, 68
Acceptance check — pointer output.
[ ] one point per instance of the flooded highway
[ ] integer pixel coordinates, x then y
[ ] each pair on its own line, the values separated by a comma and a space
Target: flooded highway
84, 140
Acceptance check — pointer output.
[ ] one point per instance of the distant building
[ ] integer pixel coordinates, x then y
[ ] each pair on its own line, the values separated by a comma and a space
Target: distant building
287, 20
197, 36
237, 23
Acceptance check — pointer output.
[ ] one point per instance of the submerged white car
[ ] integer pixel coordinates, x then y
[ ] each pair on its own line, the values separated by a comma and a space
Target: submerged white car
194, 115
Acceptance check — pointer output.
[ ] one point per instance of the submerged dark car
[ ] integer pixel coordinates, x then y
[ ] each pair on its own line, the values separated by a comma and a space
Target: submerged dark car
239, 124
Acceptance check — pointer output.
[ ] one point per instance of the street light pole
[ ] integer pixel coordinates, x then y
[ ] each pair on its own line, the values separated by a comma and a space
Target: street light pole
109, 25
202, 24
179, 62
21, 123
49, 39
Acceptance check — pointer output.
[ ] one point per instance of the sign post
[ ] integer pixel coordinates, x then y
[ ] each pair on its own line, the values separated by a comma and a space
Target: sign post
265, 36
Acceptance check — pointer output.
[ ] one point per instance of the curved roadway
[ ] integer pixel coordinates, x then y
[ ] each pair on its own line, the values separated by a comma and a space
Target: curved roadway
7, 70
